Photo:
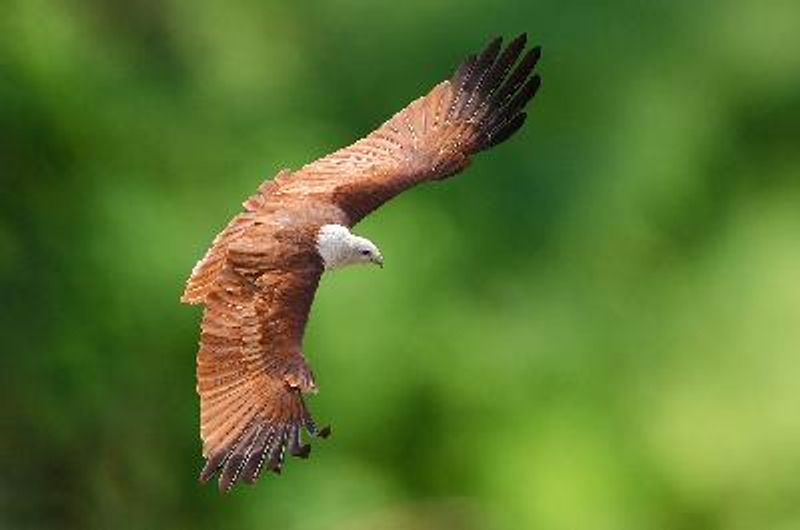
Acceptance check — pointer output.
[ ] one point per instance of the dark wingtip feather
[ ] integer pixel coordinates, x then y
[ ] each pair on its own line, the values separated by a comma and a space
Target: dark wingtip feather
493, 92
252, 468
239, 456
230, 472
504, 133
536, 52
522, 97
262, 445
464, 71
213, 463
493, 48
277, 452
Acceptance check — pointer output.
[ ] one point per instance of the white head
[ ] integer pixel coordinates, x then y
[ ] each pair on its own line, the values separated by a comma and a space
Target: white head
338, 248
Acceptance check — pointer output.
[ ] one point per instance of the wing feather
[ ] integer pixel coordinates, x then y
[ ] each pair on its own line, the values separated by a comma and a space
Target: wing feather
250, 369
432, 138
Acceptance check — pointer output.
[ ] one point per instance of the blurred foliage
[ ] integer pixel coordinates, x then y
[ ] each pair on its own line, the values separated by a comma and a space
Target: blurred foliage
595, 327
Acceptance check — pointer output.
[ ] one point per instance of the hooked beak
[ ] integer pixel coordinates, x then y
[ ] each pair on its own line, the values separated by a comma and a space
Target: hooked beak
378, 260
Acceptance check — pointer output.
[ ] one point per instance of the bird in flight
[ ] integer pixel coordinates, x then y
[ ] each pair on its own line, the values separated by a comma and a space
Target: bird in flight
258, 279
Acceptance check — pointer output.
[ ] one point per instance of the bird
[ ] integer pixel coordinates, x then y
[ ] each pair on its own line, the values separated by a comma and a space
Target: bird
258, 279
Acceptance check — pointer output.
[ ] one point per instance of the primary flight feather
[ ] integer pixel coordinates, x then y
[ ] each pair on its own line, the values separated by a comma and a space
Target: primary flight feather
258, 279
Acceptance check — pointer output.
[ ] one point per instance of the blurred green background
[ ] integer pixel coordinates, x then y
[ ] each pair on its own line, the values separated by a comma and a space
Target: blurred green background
596, 327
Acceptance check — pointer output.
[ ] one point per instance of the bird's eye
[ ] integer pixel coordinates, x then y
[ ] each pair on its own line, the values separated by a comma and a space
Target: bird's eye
365, 252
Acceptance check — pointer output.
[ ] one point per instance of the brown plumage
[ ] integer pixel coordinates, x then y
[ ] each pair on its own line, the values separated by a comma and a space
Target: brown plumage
258, 279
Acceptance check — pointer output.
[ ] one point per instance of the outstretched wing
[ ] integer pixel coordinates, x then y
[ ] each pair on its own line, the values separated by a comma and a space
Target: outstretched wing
250, 368
434, 137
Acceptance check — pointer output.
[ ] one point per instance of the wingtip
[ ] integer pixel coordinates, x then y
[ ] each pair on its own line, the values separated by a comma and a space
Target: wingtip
210, 468
536, 83
224, 484
496, 42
